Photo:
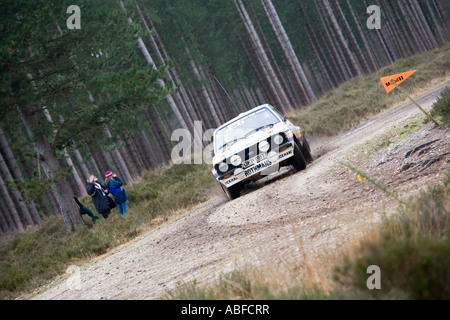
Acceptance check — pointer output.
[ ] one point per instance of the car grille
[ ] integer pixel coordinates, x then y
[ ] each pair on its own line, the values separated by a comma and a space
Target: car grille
251, 152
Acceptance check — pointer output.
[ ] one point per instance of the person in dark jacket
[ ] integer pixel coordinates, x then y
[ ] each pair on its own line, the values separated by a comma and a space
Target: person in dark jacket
114, 184
99, 196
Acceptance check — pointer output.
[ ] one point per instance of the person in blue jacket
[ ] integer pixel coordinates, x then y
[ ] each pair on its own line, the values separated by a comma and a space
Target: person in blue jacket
114, 186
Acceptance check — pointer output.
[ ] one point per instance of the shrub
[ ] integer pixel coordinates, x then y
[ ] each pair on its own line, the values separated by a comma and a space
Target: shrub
441, 107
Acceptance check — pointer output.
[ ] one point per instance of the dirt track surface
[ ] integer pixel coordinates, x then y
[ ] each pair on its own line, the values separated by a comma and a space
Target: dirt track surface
314, 210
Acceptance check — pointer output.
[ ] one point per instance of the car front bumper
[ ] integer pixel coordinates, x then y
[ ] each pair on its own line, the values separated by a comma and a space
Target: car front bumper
268, 164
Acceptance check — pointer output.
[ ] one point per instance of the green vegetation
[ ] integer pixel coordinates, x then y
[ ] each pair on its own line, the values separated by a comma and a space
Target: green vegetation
441, 107
355, 101
32, 258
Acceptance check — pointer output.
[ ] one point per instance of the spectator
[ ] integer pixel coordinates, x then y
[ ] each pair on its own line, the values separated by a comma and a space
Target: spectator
114, 184
99, 196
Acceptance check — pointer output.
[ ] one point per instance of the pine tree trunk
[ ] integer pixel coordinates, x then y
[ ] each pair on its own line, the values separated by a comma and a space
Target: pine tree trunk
363, 36
417, 24
403, 47
63, 194
341, 38
203, 91
100, 162
384, 46
28, 168
281, 99
158, 134
81, 162
255, 62
441, 14
18, 175
410, 26
282, 37
183, 95
328, 74
328, 41
6, 225
119, 162
11, 206
36, 167
17, 197
151, 154
159, 56
161, 83
206, 75
424, 24
390, 41
140, 166
130, 164
361, 58
291, 101
75, 174
437, 27
403, 31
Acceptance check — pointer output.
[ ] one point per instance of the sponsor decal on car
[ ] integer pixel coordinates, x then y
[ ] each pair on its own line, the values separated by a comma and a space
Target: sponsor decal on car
257, 168
285, 154
231, 180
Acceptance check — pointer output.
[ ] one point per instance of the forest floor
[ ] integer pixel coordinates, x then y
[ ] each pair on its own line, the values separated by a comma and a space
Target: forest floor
287, 216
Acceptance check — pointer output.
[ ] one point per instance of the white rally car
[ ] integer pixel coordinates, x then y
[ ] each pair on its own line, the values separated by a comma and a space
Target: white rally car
255, 144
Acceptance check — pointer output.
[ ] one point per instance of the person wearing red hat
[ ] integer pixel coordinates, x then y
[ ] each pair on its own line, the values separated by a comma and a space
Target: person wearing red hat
114, 185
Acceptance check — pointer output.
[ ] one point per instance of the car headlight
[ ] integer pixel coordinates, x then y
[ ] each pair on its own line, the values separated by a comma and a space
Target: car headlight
239, 173
272, 156
236, 160
223, 167
264, 146
278, 139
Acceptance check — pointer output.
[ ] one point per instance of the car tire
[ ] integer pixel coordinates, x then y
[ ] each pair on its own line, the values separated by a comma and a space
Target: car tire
298, 160
306, 150
232, 192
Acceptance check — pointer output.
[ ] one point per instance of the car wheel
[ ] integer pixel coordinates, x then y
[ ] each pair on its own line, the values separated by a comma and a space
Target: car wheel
232, 192
298, 160
306, 150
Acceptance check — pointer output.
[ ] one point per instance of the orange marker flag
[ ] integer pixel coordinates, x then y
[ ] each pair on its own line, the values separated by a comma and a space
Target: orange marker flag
398, 78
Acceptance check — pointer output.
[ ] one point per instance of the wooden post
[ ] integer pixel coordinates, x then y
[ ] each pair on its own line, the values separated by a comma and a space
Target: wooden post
413, 101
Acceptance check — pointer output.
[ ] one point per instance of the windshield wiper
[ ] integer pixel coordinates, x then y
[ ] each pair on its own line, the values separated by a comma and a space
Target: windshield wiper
259, 128
231, 142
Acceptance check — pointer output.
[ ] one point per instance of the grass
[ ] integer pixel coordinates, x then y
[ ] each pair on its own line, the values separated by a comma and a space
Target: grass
31, 259
355, 101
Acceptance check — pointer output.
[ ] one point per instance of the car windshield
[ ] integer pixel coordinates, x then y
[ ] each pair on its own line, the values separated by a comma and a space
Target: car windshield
242, 127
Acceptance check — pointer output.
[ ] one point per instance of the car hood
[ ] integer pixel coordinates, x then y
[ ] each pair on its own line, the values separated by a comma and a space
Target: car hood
251, 140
